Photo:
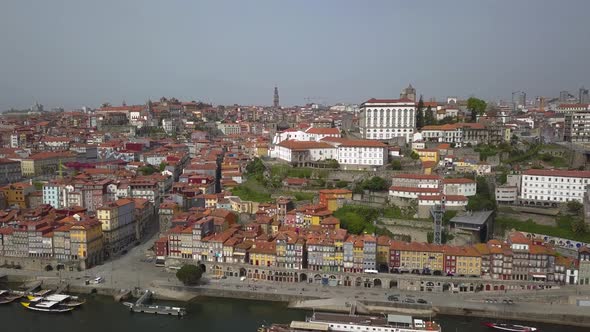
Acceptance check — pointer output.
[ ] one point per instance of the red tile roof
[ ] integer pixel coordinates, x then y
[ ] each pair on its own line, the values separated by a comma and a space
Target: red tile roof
417, 176
414, 189
304, 145
457, 181
389, 101
559, 173
323, 131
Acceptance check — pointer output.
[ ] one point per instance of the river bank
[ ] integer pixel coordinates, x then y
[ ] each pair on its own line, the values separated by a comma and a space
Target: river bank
441, 304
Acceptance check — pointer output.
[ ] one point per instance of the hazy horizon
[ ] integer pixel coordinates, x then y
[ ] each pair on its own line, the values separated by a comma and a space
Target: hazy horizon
76, 53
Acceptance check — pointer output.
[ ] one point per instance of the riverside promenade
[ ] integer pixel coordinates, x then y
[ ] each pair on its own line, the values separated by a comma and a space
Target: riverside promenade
135, 270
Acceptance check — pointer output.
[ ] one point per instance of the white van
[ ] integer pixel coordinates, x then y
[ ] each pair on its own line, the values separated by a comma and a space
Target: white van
97, 280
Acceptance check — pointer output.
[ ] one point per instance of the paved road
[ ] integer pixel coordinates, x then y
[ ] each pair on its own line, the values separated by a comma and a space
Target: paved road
136, 269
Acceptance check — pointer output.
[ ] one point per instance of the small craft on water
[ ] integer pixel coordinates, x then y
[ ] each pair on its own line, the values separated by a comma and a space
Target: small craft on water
510, 327
7, 296
63, 299
38, 304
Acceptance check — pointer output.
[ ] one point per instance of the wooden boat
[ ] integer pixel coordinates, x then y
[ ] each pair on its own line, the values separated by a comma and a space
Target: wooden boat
510, 327
63, 299
8, 296
46, 306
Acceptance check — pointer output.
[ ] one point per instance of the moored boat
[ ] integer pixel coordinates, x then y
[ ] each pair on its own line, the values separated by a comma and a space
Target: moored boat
510, 327
320, 321
63, 299
37, 304
7, 296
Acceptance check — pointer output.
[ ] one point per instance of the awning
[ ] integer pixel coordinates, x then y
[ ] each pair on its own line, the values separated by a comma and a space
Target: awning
539, 276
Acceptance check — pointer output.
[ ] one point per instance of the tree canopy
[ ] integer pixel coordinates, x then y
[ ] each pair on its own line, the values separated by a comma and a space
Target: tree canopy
189, 274
376, 183
420, 114
477, 105
429, 117
255, 166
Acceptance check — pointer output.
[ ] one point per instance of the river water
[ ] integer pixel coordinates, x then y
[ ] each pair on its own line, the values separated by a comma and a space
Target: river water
101, 314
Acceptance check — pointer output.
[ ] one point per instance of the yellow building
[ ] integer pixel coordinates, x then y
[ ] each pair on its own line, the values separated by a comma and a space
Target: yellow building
86, 241
45, 162
418, 256
468, 261
211, 200
261, 150
427, 155
314, 214
339, 236
263, 254
334, 198
507, 134
186, 243
240, 206
16, 194
118, 224
383, 243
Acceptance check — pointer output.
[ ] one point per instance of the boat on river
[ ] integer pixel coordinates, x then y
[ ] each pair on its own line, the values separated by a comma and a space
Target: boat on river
7, 296
321, 321
510, 327
38, 304
63, 299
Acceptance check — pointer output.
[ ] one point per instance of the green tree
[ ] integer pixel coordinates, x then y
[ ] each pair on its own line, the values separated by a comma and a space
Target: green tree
147, 170
341, 184
477, 105
396, 165
429, 117
376, 183
353, 222
575, 207
503, 177
255, 166
332, 163
189, 274
420, 114
163, 165
447, 120
473, 116
414, 155
579, 226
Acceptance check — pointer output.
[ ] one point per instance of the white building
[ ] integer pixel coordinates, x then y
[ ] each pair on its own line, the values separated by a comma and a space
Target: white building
348, 153
448, 133
453, 202
506, 194
309, 134
416, 181
362, 153
229, 128
459, 186
412, 192
387, 118
552, 187
567, 108
301, 151
169, 126
55, 195
577, 127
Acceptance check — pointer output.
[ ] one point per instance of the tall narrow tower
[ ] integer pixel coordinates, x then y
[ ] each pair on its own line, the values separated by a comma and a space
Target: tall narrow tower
275, 101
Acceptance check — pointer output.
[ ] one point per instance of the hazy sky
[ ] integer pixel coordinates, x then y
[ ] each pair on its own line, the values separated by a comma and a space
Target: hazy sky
79, 52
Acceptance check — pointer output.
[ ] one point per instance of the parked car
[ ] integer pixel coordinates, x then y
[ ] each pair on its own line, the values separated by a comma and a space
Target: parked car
409, 301
422, 301
97, 280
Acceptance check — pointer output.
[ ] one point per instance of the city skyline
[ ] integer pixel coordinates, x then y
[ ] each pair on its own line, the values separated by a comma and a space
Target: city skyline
228, 52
